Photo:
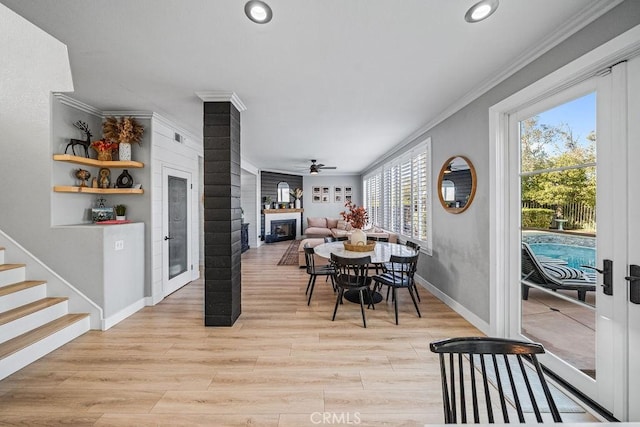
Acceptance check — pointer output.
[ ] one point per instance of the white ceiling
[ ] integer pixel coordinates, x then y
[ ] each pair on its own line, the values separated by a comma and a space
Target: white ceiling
340, 81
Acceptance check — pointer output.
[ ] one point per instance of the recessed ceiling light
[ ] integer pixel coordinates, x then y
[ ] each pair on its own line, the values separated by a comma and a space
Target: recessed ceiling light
481, 10
258, 11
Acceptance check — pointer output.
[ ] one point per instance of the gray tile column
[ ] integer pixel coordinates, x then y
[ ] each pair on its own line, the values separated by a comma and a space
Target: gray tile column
222, 215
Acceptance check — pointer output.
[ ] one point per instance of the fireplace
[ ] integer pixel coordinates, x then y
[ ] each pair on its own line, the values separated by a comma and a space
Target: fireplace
284, 229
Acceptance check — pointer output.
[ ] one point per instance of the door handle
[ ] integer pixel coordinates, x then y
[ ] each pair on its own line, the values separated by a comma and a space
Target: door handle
634, 283
168, 238
607, 273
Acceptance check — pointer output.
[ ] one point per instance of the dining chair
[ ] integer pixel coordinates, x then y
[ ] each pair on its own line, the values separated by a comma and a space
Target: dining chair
352, 274
415, 247
378, 239
314, 271
400, 272
513, 370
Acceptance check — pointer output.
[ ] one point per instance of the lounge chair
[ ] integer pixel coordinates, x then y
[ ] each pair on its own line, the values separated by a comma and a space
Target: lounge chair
553, 276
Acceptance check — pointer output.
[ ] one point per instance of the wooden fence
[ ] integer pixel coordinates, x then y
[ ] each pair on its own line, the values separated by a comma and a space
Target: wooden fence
578, 215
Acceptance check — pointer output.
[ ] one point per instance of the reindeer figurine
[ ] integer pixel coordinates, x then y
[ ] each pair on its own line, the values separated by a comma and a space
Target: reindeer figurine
73, 142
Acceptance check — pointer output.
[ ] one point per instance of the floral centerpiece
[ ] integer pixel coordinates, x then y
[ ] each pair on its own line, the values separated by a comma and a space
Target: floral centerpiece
123, 131
104, 148
357, 216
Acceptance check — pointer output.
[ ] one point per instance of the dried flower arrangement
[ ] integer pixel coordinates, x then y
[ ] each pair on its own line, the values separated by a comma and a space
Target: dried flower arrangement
357, 216
125, 129
297, 193
104, 145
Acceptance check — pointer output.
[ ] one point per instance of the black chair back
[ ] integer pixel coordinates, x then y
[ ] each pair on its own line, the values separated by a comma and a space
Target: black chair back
329, 239
378, 239
402, 267
351, 272
309, 258
412, 245
501, 359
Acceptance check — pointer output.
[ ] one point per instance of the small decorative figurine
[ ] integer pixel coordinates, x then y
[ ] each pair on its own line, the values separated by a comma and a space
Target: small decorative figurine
94, 183
85, 144
83, 175
105, 180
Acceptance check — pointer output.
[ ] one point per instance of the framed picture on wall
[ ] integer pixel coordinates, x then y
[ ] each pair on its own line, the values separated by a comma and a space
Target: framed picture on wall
338, 196
316, 195
326, 195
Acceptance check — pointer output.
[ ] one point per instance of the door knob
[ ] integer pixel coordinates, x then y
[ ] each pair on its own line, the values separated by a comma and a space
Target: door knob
168, 238
634, 283
607, 273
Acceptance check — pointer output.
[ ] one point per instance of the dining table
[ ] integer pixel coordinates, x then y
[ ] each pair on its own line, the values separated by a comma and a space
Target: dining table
380, 254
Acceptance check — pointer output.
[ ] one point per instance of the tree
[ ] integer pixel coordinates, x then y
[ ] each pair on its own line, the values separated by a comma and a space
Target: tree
547, 148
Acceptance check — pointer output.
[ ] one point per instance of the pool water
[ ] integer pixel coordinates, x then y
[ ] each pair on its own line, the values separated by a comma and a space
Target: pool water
576, 256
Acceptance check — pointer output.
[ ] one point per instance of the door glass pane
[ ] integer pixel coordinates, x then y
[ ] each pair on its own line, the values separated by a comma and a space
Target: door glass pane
558, 239
177, 226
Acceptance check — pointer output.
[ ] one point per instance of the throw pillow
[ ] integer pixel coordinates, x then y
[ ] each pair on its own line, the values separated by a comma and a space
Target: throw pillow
563, 272
317, 222
332, 222
342, 224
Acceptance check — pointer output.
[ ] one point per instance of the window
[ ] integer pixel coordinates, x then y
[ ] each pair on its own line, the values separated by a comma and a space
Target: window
397, 196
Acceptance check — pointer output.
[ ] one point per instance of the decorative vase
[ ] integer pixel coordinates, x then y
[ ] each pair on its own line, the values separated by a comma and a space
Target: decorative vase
104, 155
124, 151
124, 180
297, 203
121, 217
358, 237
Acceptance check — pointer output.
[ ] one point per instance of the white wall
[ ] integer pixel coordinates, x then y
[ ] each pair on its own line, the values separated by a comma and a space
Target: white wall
331, 209
248, 196
185, 157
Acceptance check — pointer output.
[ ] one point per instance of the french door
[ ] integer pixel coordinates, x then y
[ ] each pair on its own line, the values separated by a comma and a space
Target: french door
575, 209
176, 214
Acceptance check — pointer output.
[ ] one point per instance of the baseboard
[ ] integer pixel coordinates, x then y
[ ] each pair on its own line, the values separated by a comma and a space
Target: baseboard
122, 314
454, 305
151, 301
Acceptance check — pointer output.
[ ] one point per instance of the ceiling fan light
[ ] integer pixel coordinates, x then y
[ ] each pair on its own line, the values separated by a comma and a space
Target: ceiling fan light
481, 10
313, 172
258, 11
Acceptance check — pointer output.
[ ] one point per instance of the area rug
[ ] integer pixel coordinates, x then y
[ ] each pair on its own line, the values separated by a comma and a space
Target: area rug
290, 256
564, 403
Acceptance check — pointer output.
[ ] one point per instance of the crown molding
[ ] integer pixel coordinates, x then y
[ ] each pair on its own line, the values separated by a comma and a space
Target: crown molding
220, 96
589, 14
74, 103
137, 114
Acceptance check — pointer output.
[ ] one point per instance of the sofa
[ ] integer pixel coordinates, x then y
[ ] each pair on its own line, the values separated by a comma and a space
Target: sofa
318, 227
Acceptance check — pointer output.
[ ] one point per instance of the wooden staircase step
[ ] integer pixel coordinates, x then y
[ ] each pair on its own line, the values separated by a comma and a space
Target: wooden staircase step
27, 309
20, 342
7, 267
20, 286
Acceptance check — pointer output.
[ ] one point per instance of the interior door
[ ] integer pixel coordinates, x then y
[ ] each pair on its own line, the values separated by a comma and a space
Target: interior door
176, 229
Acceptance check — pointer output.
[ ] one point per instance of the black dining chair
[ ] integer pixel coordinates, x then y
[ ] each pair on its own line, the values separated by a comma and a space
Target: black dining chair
400, 272
473, 362
314, 271
352, 274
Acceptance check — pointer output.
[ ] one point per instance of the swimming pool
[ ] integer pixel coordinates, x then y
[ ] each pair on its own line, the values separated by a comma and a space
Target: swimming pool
574, 255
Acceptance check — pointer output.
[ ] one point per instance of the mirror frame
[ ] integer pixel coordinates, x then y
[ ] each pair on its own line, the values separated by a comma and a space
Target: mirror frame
474, 183
288, 197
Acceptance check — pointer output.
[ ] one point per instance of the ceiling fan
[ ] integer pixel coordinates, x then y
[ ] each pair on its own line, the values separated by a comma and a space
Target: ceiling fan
315, 168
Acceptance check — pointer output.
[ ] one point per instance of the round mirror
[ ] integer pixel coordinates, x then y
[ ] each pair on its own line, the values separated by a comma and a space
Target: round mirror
457, 184
283, 192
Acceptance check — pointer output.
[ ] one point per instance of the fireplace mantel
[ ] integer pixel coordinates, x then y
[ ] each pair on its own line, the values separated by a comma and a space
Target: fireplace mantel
277, 211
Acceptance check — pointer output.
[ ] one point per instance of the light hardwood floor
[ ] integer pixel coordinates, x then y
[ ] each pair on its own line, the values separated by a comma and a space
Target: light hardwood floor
282, 364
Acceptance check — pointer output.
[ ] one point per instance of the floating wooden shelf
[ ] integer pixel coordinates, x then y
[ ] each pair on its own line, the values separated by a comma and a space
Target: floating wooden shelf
280, 211
91, 190
97, 163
